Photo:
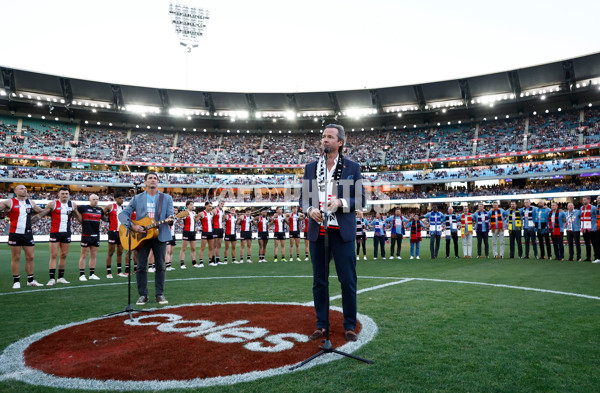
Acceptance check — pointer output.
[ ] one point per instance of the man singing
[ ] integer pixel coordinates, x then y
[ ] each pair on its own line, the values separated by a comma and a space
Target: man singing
158, 206
343, 193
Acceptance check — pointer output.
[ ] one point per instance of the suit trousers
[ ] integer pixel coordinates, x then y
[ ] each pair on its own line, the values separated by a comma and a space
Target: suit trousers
345, 266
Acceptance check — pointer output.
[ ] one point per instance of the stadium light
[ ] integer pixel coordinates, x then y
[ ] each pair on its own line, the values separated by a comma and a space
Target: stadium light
43, 117
2, 93
189, 23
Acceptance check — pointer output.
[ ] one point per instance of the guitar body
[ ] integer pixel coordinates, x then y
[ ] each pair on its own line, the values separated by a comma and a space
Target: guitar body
151, 226
138, 239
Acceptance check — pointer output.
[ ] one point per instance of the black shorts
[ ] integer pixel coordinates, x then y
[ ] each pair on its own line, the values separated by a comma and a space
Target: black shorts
279, 235
90, 241
60, 237
294, 234
218, 233
246, 235
305, 235
263, 236
230, 238
113, 238
190, 236
19, 239
207, 235
172, 242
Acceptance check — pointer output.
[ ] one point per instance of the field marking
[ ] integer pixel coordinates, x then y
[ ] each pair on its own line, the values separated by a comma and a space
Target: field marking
373, 288
12, 361
360, 277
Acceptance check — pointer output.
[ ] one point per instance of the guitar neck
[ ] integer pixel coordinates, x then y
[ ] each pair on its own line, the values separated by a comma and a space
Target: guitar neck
157, 223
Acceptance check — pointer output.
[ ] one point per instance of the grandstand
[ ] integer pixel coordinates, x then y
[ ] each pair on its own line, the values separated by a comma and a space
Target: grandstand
531, 133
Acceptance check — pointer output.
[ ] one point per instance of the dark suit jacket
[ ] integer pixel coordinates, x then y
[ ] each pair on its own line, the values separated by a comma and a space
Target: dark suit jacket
350, 188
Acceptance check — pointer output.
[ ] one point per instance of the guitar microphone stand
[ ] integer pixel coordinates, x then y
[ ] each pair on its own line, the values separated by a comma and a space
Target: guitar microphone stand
128, 309
327, 347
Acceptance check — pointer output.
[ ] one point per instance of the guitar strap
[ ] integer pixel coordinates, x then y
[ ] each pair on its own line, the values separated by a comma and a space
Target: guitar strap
161, 198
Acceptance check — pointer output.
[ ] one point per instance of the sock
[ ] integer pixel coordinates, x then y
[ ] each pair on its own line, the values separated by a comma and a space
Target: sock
168, 264
212, 260
225, 259
119, 268
248, 256
92, 270
61, 273
29, 277
52, 273
201, 262
82, 272
182, 263
127, 269
16, 278
194, 262
218, 259
108, 270
297, 256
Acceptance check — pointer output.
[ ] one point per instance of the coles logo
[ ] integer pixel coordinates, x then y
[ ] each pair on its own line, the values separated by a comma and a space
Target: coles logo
176, 347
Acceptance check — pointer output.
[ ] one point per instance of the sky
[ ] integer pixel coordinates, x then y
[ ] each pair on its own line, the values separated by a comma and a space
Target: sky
288, 46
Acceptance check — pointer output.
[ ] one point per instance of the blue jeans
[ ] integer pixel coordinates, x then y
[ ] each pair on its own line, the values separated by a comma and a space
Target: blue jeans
379, 240
414, 247
345, 266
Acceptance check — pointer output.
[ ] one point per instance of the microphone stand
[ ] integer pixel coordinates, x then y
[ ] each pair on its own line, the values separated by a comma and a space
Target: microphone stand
128, 309
327, 347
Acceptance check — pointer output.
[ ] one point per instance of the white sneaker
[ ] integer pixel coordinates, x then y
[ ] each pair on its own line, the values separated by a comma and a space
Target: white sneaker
170, 269
375, 258
82, 278
235, 262
411, 257
398, 257
365, 257
357, 257
596, 261
222, 263
122, 274
94, 277
198, 265
418, 257
34, 284
249, 260
298, 259
109, 276
62, 281
16, 285
183, 267
151, 270
306, 259
392, 257
51, 282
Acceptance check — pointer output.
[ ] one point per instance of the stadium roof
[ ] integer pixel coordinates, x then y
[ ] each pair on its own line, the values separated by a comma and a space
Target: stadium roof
569, 83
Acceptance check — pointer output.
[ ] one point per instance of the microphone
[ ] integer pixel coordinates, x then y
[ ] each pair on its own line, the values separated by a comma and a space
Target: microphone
326, 150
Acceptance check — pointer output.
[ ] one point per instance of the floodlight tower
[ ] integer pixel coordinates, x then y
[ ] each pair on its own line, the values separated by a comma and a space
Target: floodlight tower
189, 23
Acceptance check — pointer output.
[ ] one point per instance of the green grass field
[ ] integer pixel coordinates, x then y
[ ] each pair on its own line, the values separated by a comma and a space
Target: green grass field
434, 336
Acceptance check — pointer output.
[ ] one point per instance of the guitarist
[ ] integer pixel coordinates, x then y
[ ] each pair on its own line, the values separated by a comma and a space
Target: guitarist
158, 206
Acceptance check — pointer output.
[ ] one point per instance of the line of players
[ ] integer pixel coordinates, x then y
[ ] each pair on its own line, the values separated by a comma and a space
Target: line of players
529, 222
216, 224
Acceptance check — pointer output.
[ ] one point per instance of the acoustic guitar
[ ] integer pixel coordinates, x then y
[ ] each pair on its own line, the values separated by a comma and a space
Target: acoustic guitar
151, 227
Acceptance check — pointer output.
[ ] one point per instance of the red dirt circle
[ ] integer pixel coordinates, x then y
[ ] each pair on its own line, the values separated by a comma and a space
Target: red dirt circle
183, 343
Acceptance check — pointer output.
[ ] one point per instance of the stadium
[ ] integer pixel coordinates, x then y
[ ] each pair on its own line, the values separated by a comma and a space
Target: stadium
230, 143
